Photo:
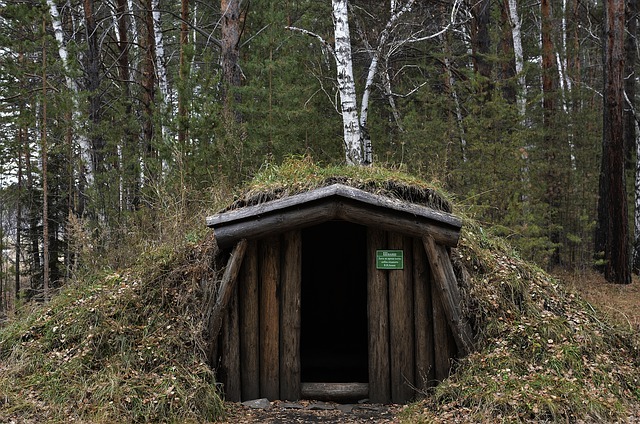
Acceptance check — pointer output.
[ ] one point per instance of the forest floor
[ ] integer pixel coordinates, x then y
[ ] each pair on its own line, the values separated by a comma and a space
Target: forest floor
620, 303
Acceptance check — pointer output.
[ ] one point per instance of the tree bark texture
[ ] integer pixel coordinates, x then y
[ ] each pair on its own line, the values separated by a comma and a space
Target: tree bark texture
612, 208
232, 23
481, 44
346, 83
183, 111
630, 52
551, 143
92, 71
149, 84
45, 190
507, 62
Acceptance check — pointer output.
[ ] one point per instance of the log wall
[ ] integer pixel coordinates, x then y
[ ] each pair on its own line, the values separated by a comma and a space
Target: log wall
410, 344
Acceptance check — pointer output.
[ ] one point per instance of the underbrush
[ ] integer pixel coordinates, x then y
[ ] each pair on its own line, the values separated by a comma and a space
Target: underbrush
118, 347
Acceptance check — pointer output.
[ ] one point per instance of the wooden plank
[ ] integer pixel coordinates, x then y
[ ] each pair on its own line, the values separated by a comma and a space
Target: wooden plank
269, 225
423, 315
446, 282
392, 221
225, 291
291, 286
378, 313
333, 191
336, 392
249, 322
231, 351
269, 265
314, 207
401, 331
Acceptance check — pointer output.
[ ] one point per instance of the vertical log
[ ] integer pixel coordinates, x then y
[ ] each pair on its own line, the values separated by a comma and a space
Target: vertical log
442, 355
227, 286
447, 284
269, 318
423, 314
401, 331
249, 337
290, 366
378, 313
231, 351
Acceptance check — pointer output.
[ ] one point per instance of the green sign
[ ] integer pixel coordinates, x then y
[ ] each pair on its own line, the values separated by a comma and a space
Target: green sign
389, 259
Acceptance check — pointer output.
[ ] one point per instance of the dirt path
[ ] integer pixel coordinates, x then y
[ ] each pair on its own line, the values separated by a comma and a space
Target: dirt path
312, 412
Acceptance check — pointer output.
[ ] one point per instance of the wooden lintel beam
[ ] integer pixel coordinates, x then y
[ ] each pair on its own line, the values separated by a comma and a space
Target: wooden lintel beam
446, 281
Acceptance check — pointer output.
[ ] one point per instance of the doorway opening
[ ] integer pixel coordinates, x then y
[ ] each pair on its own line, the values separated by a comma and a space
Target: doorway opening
334, 327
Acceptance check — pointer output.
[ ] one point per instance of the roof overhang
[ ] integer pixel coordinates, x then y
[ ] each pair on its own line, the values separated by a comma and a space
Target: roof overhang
334, 202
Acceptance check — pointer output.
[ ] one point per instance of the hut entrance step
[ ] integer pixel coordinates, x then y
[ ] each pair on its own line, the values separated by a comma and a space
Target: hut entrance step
334, 323
335, 392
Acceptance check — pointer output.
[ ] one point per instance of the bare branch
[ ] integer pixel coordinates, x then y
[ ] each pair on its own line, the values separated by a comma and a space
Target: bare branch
313, 34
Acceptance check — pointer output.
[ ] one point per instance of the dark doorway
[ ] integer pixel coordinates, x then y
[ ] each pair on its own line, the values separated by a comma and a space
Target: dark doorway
334, 304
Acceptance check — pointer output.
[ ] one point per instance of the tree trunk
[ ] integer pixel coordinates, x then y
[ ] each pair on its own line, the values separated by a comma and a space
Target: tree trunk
232, 22
183, 112
481, 44
346, 84
130, 173
148, 83
553, 182
612, 203
631, 11
516, 35
92, 72
507, 61
45, 191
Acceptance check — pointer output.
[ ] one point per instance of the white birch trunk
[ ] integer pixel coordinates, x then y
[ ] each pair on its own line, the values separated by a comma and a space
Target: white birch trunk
346, 83
516, 34
161, 70
134, 29
83, 142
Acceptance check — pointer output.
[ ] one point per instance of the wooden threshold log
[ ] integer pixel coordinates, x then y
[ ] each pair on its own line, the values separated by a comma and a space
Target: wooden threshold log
336, 392
227, 286
446, 282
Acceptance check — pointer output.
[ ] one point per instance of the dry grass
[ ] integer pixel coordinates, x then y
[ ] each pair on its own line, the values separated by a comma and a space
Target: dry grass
620, 303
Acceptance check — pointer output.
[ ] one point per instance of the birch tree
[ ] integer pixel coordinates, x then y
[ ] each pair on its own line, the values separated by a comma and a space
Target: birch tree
516, 34
87, 164
353, 143
357, 142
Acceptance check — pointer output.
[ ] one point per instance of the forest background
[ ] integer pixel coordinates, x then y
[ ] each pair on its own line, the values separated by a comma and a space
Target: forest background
124, 120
